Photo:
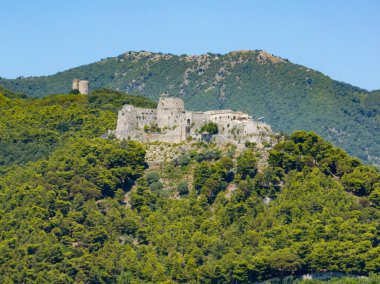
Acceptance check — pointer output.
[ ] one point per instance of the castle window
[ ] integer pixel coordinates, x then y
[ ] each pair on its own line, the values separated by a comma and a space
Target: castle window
188, 122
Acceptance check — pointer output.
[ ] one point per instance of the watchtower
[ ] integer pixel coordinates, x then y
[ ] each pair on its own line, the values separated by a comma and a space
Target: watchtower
81, 86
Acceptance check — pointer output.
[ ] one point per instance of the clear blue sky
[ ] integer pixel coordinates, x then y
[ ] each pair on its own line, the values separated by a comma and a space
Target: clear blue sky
340, 38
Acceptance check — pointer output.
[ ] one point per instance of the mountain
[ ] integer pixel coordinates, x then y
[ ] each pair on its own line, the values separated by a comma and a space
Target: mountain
289, 96
80, 208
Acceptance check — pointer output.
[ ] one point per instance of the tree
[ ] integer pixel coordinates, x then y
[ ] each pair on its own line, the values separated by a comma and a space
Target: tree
246, 164
201, 173
211, 128
183, 188
362, 180
283, 261
375, 196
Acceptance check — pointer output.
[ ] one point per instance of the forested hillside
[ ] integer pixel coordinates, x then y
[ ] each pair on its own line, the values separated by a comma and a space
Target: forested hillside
77, 208
32, 128
289, 96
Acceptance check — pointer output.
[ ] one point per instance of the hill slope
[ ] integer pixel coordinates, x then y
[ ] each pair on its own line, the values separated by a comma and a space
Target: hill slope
289, 96
81, 209
32, 129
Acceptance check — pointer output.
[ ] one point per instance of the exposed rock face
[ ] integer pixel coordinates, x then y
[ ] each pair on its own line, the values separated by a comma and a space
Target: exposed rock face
171, 123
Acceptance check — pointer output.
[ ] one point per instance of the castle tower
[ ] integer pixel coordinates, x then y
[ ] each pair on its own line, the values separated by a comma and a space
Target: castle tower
170, 112
81, 86
75, 84
171, 118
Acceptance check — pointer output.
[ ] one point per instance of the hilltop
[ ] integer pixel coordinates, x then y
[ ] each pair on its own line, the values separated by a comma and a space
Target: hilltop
287, 95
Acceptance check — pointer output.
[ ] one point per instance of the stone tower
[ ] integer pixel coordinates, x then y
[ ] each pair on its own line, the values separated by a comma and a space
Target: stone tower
171, 118
170, 112
81, 86
75, 84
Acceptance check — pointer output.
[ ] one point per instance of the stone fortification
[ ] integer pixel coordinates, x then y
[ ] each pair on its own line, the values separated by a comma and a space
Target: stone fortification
170, 122
81, 86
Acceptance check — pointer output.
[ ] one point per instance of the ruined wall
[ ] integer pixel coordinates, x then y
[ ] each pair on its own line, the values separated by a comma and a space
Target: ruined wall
126, 121
145, 116
257, 132
176, 135
131, 119
176, 124
196, 120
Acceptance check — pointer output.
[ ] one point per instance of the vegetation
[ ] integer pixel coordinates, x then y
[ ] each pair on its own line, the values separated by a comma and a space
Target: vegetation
289, 97
32, 129
107, 99
10, 94
152, 127
83, 209
210, 128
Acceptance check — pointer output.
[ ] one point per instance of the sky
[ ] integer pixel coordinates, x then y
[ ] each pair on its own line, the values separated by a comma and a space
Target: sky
340, 38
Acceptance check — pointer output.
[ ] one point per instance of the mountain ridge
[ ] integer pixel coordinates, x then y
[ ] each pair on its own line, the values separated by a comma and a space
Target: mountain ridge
289, 96
264, 55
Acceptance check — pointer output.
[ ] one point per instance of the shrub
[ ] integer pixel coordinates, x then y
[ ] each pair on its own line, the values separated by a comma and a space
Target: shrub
156, 186
183, 188
152, 177
211, 128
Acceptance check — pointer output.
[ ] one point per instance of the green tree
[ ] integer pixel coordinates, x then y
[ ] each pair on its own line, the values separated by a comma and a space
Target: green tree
211, 128
246, 164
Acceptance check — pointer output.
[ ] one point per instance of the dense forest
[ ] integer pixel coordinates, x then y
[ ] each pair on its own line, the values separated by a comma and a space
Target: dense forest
289, 96
79, 207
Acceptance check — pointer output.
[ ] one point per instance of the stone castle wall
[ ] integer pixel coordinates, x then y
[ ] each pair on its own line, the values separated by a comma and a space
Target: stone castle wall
132, 119
145, 116
177, 124
196, 120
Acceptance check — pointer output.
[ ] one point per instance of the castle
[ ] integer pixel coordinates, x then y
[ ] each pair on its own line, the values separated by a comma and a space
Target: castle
81, 86
170, 122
